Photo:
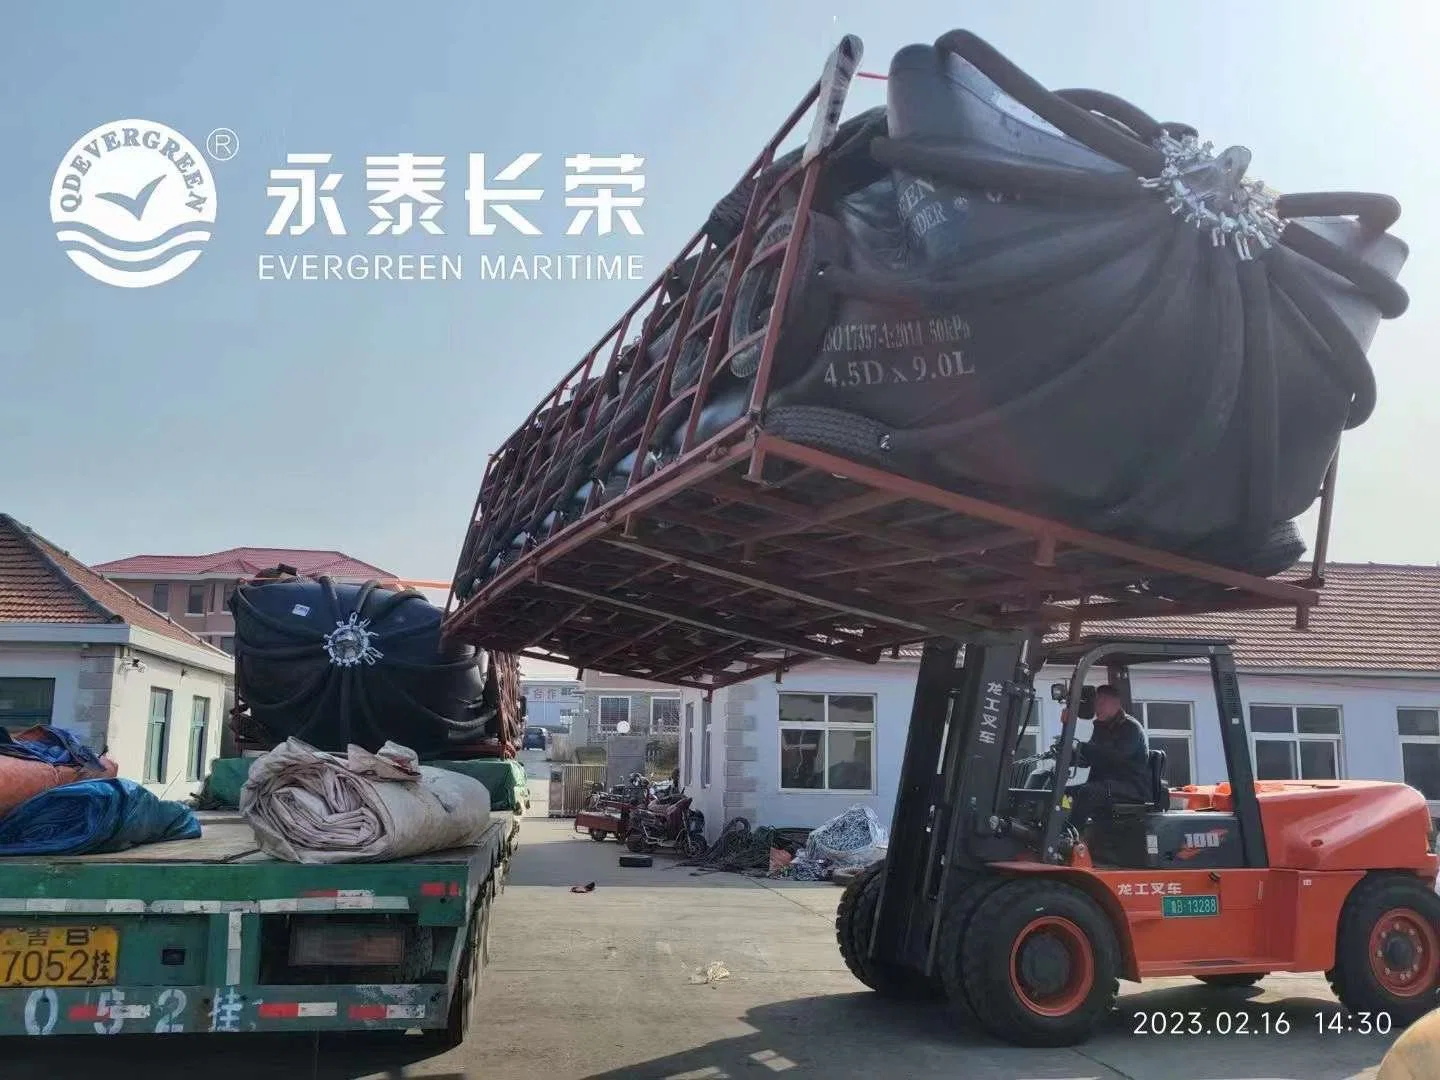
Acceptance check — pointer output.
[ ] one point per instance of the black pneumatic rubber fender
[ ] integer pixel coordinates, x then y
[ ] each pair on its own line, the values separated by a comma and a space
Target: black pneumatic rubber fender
1352, 978
989, 939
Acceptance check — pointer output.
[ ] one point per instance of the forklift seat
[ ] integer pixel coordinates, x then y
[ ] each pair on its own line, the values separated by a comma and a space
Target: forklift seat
1159, 800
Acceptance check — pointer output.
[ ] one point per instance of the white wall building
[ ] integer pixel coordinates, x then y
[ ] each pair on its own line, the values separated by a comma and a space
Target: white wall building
1357, 695
79, 652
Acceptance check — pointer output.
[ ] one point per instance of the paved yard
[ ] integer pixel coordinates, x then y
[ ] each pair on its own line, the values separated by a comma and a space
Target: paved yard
598, 985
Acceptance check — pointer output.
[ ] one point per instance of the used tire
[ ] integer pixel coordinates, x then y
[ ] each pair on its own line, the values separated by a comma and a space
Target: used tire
1041, 963
1233, 979
1387, 949
854, 920
841, 433
950, 950
807, 312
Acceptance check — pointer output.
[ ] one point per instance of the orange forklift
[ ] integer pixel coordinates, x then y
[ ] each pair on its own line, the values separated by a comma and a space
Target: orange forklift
991, 900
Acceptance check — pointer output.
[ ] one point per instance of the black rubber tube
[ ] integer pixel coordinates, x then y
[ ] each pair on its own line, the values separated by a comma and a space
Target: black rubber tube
1146, 128
1375, 212
1074, 121
1385, 292
970, 169
1348, 360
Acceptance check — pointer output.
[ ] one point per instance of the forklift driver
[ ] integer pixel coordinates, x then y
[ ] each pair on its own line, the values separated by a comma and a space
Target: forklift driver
1117, 757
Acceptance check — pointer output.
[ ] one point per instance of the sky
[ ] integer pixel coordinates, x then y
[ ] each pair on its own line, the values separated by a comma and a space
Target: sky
219, 410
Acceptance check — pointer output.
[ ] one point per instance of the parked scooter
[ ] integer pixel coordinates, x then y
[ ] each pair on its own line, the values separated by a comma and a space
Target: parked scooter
668, 821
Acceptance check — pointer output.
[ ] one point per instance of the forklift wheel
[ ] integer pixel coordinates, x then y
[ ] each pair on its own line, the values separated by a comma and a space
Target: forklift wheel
1232, 979
854, 920
636, 842
950, 950
598, 834
1041, 963
1387, 951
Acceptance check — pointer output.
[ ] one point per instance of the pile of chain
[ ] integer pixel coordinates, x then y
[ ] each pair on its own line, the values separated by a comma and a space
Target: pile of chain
742, 849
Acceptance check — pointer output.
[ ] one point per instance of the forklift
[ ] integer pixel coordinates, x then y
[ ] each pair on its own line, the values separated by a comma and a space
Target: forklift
990, 900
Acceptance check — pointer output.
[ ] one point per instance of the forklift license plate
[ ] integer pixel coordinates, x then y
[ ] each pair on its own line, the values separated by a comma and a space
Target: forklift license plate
58, 956
1180, 907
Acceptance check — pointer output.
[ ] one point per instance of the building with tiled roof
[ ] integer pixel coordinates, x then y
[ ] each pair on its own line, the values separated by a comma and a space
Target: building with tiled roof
1355, 694
79, 652
195, 590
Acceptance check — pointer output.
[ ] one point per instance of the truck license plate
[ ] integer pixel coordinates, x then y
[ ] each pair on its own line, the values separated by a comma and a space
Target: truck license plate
58, 956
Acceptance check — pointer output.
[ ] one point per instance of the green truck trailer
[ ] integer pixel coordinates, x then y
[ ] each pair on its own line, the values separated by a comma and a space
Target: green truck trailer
211, 935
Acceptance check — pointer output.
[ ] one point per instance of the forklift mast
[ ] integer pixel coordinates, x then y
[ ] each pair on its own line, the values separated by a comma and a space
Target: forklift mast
964, 723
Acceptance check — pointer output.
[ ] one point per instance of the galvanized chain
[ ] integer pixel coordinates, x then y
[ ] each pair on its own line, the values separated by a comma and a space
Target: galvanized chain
352, 642
1213, 194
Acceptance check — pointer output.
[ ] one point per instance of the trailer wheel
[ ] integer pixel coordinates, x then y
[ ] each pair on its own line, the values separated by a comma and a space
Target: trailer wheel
1233, 979
1387, 949
1041, 963
598, 834
951, 947
853, 922
471, 968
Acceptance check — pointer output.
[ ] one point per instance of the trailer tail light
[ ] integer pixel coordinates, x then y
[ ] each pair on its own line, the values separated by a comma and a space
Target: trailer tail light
331, 943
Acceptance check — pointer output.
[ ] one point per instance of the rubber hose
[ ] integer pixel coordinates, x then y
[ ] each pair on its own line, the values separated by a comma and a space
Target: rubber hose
1375, 212
973, 170
1346, 357
1146, 128
1262, 401
1074, 121
1387, 294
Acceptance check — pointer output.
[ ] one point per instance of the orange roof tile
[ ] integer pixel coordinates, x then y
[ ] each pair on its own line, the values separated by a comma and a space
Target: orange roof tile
41, 583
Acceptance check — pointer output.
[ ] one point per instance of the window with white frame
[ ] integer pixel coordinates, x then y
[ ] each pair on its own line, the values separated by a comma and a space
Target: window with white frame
689, 754
1295, 742
664, 715
1420, 750
1170, 726
705, 743
613, 710
827, 742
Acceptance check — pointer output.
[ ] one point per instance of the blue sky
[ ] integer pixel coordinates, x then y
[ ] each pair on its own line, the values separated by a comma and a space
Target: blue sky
219, 410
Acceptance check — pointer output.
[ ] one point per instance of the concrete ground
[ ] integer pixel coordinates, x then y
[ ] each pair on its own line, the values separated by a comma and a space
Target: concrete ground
604, 985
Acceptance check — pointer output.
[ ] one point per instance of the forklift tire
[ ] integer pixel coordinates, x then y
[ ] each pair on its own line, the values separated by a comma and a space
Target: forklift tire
1233, 978
853, 922
598, 834
636, 842
1041, 963
950, 950
1387, 949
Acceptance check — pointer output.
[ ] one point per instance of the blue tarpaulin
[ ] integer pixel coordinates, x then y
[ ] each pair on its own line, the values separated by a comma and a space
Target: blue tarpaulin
52, 745
93, 816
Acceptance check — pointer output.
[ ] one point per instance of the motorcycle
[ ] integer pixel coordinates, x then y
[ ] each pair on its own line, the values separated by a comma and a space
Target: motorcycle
608, 813
668, 821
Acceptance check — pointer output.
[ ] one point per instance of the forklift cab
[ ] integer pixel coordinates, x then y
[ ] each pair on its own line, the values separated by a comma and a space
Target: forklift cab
1150, 834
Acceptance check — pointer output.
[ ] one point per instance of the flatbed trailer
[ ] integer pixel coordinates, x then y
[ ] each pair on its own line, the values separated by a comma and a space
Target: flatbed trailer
212, 936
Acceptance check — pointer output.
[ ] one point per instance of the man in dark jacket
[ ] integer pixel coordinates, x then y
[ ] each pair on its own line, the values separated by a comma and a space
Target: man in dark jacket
1117, 756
